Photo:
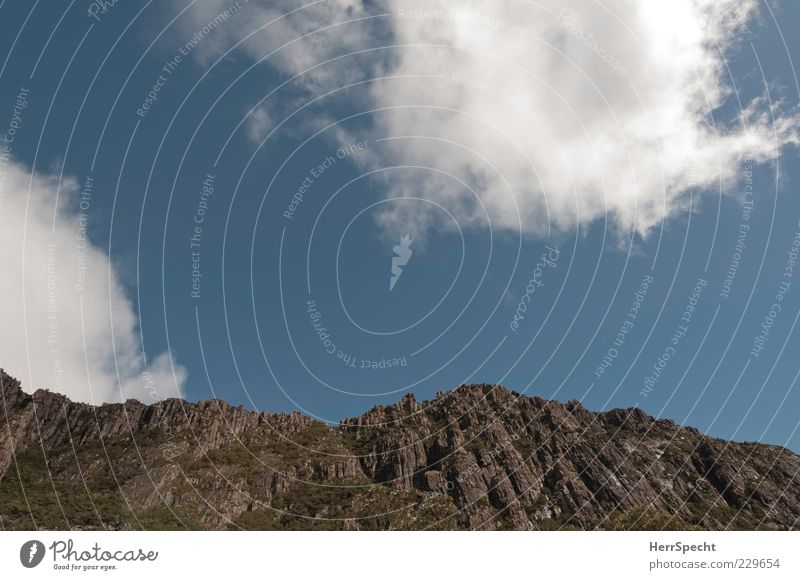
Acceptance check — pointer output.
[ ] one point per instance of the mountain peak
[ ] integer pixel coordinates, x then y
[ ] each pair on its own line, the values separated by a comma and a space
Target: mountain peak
476, 457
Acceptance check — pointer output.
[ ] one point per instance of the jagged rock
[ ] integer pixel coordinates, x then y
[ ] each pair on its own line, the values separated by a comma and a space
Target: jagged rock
477, 457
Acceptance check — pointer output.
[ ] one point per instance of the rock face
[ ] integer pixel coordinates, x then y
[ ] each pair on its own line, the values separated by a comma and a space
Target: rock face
477, 457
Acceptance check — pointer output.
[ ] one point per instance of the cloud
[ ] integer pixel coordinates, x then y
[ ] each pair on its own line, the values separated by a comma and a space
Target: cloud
67, 324
258, 124
556, 114
293, 37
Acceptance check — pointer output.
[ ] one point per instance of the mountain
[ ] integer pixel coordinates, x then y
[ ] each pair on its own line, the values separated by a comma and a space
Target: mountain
477, 457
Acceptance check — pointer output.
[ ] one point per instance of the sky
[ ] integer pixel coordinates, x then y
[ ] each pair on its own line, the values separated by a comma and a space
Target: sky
324, 207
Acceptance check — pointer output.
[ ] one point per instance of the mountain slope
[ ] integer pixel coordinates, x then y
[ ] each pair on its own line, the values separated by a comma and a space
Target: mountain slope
477, 457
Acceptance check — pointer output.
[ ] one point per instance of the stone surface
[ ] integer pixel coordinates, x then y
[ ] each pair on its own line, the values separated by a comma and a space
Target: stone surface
477, 457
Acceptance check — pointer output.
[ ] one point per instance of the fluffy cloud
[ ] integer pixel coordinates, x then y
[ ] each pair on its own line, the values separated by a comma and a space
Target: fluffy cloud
67, 324
292, 37
557, 114
567, 115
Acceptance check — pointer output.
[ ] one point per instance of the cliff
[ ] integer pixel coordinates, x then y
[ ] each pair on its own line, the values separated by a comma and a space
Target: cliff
477, 457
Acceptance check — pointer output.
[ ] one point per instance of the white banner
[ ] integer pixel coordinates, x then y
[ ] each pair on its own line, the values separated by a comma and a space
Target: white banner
400, 555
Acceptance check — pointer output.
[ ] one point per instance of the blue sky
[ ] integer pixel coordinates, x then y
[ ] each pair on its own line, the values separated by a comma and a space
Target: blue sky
306, 198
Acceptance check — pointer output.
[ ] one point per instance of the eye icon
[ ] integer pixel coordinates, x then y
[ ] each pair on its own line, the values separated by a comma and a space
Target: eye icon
31, 553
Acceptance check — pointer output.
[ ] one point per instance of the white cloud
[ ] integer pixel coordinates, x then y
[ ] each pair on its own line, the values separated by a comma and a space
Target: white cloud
67, 324
557, 115
258, 124
583, 117
292, 36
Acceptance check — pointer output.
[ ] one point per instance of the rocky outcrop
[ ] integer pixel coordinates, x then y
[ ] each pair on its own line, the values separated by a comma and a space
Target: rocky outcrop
477, 457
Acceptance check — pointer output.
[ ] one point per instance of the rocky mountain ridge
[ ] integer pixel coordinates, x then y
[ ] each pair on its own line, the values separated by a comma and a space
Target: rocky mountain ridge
477, 457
